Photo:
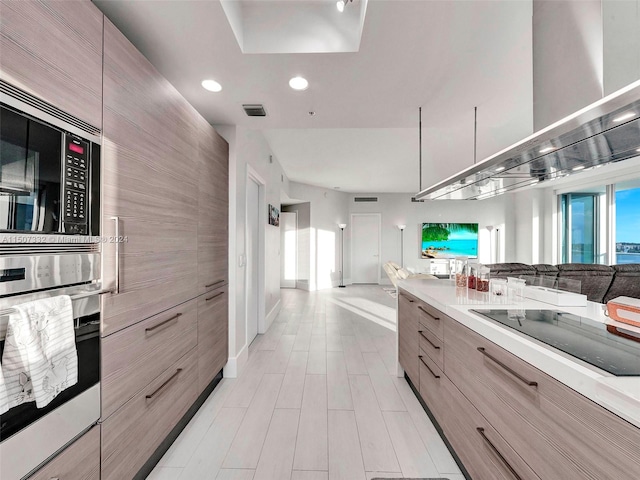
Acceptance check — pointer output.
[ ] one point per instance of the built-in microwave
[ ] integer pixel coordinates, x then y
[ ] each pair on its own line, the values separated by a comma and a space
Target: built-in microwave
49, 177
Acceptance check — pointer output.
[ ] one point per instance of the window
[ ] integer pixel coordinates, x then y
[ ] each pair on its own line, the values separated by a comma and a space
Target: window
583, 238
627, 198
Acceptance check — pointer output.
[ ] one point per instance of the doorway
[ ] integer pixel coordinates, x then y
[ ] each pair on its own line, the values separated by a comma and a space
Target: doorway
365, 247
288, 249
253, 261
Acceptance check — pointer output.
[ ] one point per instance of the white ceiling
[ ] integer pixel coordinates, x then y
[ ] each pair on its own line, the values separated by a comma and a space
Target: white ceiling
446, 56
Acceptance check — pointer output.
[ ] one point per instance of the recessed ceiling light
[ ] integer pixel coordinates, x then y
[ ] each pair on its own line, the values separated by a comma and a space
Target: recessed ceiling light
624, 117
298, 83
579, 167
547, 149
638, 150
340, 5
211, 85
499, 169
312, 113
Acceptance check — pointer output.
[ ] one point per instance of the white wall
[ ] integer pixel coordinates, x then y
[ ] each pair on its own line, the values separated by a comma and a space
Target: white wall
327, 208
397, 209
621, 25
304, 243
249, 151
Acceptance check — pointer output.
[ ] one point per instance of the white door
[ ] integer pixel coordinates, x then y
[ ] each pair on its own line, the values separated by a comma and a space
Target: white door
253, 258
288, 249
365, 248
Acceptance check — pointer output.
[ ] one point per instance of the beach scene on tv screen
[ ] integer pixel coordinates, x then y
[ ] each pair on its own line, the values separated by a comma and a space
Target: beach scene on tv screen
447, 240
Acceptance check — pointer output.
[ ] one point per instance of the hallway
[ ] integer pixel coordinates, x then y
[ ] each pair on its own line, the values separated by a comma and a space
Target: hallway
318, 400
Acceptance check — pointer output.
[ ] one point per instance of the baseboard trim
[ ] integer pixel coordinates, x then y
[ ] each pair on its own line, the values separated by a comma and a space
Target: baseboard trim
235, 365
272, 314
173, 435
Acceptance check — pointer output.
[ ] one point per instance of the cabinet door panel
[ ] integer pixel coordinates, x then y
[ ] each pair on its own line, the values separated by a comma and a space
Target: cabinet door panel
484, 453
213, 335
213, 208
53, 50
150, 181
133, 357
79, 461
558, 432
133, 433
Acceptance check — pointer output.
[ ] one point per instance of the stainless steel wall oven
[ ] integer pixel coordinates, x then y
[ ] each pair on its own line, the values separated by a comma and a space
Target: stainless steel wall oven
49, 223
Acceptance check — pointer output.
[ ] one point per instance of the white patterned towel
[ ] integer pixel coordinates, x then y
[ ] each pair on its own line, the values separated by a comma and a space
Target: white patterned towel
40, 358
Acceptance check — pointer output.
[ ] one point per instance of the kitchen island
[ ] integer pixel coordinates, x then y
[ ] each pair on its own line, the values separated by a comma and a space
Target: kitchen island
509, 405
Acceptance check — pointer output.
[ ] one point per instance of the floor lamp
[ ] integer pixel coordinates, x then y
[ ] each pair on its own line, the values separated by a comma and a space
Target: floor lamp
401, 228
342, 227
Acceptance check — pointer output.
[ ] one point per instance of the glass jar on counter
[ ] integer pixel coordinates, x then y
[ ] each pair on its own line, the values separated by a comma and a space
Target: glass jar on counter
461, 271
472, 276
498, 287
482, 280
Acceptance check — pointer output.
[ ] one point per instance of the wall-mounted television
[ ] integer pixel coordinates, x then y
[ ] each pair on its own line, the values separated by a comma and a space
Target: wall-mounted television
447, 240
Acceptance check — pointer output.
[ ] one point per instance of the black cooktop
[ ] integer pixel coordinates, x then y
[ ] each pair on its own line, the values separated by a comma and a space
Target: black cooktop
613, 349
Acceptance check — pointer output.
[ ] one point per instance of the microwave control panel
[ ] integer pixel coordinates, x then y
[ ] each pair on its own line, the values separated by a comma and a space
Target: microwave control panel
75, 185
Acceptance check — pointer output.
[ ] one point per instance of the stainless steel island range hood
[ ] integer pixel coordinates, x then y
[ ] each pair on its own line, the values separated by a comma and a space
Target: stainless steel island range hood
604, 132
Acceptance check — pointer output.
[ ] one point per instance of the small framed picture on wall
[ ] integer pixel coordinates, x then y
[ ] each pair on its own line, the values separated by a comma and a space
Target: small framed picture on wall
274, 216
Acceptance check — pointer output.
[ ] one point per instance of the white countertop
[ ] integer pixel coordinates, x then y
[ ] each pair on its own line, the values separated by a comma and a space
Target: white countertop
620, 395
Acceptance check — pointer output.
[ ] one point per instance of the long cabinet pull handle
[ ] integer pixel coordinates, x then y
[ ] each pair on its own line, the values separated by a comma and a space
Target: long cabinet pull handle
425, 364
507, 368
155, 327
116, 290
150, 396
497, 452
430, 342
214, 283
213, 296
425, 311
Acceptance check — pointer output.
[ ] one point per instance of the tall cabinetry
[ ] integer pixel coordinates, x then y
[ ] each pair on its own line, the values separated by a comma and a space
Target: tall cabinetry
53, 50
165, 204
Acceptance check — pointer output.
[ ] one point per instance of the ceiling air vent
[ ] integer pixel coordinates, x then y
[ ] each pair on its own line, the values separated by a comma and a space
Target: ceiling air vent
365, 199
254, 110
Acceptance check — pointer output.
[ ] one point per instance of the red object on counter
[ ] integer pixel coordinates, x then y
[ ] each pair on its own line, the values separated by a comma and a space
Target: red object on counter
482, 285
625, 310
471, 282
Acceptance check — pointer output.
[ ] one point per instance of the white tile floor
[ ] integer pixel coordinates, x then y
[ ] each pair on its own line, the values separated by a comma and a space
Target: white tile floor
318, 400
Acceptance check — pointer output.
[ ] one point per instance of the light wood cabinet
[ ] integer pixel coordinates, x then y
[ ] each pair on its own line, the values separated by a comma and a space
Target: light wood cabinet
150, 183
213, 208
79, 461
53, 50
133, 433
482, 450
135, 356
213, 337
557, 431
408, 342
505, 418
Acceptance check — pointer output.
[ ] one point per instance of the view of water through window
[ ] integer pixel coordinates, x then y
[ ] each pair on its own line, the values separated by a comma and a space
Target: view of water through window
627, 224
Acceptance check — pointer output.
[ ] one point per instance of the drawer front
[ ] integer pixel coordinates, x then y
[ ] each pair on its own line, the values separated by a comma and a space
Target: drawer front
431, 346
557, 431
431, 319
484, 453
431, 378
213, 335
79, 461
133, 357
408, 342
133, 433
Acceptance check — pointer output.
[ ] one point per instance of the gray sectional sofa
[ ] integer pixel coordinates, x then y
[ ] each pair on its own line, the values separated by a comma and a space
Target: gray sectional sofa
600, 283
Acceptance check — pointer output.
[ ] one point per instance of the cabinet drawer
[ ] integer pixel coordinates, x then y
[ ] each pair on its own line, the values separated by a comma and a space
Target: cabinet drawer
484, 453
133, 433
213, 335
133, 357
408, 343
557, 431
431, 319
79, 461
431, 386
431, 346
